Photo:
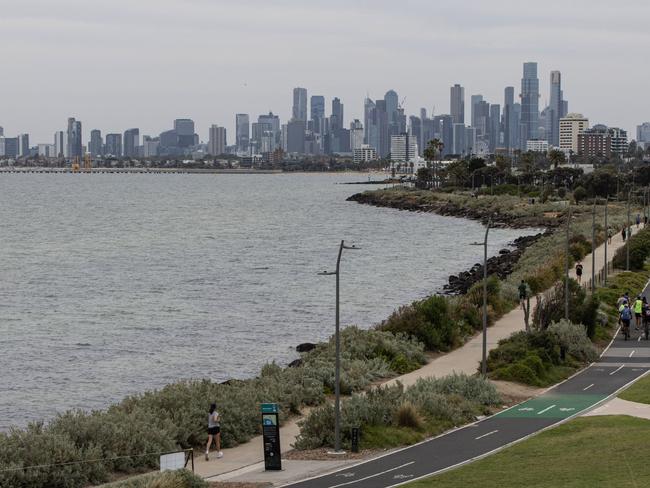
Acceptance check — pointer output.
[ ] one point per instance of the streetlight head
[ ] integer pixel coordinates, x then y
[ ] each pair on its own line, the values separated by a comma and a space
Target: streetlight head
475, 243
326, 273
352, 247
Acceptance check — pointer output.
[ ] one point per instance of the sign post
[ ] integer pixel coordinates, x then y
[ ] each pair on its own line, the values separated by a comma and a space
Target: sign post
271, 437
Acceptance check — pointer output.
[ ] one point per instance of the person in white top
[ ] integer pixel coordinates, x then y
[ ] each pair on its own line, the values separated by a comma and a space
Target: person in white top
214, 432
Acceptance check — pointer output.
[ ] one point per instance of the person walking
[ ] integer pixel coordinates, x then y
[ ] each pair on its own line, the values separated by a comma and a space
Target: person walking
623, 234
638, 312
214, 432
523, 293
610, 233
638, 220
579, 272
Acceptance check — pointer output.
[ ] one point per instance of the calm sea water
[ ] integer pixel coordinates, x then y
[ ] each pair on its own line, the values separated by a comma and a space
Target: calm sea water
114, 284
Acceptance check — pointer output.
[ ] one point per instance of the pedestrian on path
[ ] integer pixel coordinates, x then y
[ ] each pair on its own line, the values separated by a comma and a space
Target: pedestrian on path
523, 294
214, 432
638, 220
638, 312
579, 272
623, 234
626, 318
610, 233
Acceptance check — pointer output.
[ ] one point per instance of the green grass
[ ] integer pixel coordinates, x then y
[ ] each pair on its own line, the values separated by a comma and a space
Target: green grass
590, 452
639, 392
390, 436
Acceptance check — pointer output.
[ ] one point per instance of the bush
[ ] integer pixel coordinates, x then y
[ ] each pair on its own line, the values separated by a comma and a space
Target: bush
408, 416
169, 479
573, 339
639, 251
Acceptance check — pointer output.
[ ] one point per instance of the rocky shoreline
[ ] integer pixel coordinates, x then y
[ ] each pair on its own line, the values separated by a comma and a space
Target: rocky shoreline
501, 265
451, 209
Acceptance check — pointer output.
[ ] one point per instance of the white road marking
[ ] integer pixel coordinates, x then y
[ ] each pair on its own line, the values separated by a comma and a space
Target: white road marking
632, 353
346, 475
402, 476
585, 389
485, 435
617, 370
526, 409
639, 339
564, 409
373, 475
545, 410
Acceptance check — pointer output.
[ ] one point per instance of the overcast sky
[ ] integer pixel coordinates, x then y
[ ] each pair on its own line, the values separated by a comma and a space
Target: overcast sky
142, 63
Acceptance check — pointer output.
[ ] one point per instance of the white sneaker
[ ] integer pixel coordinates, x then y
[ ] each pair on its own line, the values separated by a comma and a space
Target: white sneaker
207, 456
219, 454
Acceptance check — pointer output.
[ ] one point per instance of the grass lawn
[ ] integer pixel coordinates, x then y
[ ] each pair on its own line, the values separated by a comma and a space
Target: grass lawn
639, 392
588, 452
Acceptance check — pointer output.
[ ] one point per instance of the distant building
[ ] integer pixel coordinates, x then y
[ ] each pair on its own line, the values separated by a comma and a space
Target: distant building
537, 145
150, 146
570, 126
9, 146
242, 132
185, 130
460, 139
356, 135
620, 145
296, 136
365, 154
217, 140
299, 109
643, 133
132, 141
317, 113
556, 110
60, 144
530, 101
47, 150
73, 142
24, 145
595, 142
403, 148
113, 145
95, 146
457, 104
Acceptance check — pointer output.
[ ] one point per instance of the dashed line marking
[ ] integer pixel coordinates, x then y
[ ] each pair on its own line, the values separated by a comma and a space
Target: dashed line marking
639, 339
617, 370
585, 389
372, 475
545, 410
485, 435
632, 353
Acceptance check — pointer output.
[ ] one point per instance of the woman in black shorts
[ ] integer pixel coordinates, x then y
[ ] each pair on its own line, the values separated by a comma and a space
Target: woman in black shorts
214, 432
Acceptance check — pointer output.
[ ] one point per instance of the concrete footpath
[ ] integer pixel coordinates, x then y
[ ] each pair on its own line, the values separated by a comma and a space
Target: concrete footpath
245, 462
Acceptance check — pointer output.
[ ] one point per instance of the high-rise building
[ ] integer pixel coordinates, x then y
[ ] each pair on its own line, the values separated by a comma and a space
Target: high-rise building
217, 140
618, 136
270, 123
643, 132
74, 139
415, 130
356, 135
460, 139
495, 127
403, 148
383, 129
299, 110
443, 129
150, 146
570, 127
132, 141
2, 131
474, 101
185, 130
113, 145
95, 146
242, 132
9, 146
457, 104
510, 120
317, 113
555, 112
392, 105
530, 101
370, 124
336, 120
60, 144
296, 136
595, 142
24, 145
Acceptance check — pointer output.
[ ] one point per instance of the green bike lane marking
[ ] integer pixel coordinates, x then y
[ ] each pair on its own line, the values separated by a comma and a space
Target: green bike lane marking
552, 406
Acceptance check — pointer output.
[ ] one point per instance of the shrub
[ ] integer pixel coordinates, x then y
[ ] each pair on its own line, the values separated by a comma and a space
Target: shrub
169, 479
574, 340
408, 416
639, 251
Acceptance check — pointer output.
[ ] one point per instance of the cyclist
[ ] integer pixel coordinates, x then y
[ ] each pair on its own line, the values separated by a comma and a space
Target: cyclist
626, 318
646, 318
638, 312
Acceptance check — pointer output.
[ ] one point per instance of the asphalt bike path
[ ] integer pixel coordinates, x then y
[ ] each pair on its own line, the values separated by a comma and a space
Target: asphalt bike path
621, 364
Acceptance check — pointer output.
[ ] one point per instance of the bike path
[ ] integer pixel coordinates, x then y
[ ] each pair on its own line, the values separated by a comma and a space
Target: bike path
622, 363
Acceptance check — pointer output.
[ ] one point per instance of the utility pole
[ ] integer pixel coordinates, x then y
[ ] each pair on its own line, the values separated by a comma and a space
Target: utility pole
606, 240
484, 356
627, 234
566, 271
593, 249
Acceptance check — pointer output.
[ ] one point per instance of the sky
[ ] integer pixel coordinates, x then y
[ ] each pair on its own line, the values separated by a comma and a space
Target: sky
142, 63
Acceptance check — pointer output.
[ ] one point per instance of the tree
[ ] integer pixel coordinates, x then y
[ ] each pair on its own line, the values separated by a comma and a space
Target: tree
433, 147
556, 157
579, 194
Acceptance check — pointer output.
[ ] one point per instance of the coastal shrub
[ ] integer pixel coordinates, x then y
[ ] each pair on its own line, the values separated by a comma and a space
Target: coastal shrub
639, 251
429, 321
541, 358
579, 247
430, 404
551, 307
181, 478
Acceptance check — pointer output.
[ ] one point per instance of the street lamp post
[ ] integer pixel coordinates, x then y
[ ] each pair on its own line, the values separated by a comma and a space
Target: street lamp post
606, 240
593, 249
484, 244
627, 234
566, 271
337, 340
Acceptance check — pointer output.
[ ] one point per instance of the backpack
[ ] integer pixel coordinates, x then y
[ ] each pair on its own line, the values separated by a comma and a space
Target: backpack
626, 314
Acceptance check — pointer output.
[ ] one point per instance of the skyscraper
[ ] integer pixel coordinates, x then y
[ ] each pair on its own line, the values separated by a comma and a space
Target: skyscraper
24, 145
370, 124
114, 145
356, 135
296, 136
392, 104
317, 112
530, 101
457, 104
474, 101
299, 111
242, 132
336, 120
74, 146
510, 120
60, 145
95, 146
132, 141
555, 112
185, 130
217, 140
495, 127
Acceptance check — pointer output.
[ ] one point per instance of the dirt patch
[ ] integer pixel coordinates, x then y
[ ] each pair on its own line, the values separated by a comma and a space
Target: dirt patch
321, 455
514, 393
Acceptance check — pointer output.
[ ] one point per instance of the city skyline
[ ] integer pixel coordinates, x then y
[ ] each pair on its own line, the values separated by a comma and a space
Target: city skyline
135, 85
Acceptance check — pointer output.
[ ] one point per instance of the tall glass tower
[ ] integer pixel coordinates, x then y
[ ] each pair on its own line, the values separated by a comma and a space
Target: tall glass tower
530, 101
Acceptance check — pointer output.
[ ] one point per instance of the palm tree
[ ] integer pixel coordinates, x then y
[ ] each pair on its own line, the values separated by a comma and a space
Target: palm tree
429, 153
